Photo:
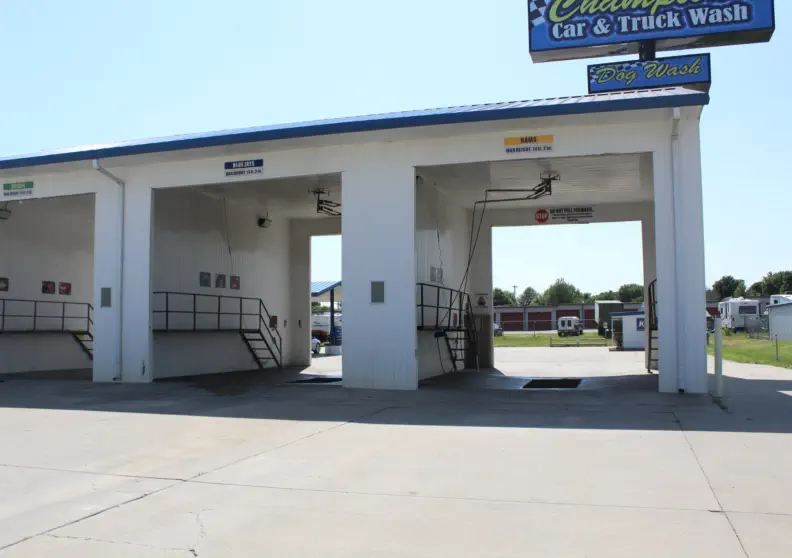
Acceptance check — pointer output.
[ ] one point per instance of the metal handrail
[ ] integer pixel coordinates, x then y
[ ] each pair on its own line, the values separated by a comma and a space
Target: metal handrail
653, 305
263, 325
457, 300
35, 316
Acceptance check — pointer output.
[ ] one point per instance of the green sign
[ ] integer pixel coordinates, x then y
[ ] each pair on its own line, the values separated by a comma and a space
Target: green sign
18, 189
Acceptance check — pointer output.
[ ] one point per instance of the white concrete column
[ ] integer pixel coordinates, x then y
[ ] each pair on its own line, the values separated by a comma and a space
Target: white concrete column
480, 283
137, 362
300, 284
553, 319
679, 243
691, 285
378, 245
665, 235
107, 275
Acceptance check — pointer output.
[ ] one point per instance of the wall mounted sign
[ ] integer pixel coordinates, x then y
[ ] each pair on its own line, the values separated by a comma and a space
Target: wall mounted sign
18, 189
204, 279
243, 168
4, 283
220, 281
48, 287
641, 324
691, 71
529, 144
64, 288
560, 215
234, 282
573, 29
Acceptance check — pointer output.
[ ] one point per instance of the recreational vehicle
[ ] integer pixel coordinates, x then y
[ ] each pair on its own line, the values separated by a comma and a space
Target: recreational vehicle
734, 310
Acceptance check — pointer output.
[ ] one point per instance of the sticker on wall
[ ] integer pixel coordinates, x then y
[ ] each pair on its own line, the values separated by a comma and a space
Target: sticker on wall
18, 189
4, 283
205, 279
641, 323
482, 300
48, 287
64, 288
235, 282
220, 281
560, 215
529, 144
243, 168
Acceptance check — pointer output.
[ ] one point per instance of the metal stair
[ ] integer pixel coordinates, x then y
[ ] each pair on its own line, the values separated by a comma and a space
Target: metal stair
653, 353
194, 312
260, 348
453, 321
85, 340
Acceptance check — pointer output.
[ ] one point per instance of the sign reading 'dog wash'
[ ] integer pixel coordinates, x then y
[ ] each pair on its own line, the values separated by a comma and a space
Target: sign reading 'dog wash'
692, 71
571, 29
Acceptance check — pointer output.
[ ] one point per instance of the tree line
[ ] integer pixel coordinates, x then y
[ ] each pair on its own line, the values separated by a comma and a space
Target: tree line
562, 292
773, 283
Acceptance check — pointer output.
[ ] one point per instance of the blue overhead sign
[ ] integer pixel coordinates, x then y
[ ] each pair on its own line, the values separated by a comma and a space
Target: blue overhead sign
572, 29
693, 71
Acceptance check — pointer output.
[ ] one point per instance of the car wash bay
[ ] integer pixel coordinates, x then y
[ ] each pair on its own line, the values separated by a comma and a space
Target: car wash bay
405, 180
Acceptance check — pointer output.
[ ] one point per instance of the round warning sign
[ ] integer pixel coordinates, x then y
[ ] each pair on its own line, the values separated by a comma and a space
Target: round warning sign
542, 216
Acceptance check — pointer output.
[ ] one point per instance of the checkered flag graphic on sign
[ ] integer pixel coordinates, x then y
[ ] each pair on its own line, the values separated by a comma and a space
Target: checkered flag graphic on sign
536, 12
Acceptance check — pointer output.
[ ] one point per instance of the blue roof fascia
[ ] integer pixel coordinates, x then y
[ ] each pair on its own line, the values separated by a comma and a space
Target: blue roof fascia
588, 104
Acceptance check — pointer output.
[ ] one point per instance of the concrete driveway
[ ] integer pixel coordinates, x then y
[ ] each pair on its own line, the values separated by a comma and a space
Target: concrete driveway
172, 469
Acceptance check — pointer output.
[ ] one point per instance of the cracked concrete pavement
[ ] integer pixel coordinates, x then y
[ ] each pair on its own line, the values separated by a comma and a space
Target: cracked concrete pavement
170, 470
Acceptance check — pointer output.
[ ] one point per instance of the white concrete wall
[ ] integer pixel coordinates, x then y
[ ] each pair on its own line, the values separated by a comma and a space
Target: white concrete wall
632, 338
441, 242
378, 243
37, 352
49, 240
192, 354
46, 240
196, 233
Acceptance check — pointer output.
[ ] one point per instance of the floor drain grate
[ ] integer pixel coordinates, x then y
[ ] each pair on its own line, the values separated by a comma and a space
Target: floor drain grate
553, 383
318, 381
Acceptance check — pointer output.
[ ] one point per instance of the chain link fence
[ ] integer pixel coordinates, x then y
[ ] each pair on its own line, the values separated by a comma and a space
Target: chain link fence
757, 327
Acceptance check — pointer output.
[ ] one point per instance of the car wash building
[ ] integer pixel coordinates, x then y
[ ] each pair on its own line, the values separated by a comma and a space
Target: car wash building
190, 255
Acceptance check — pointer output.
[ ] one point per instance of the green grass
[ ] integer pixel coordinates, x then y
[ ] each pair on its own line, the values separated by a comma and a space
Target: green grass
540, 339
741, 348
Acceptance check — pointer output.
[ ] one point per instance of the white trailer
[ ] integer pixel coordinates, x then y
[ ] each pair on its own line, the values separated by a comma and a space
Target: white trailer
734, 310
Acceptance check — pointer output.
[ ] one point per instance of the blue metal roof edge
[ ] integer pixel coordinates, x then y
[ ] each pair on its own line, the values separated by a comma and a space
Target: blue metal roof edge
624, 314
587, 104
329, 287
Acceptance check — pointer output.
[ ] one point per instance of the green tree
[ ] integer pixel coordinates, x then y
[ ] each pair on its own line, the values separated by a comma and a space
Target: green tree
527, 296
501, 297
777, 283
755, 289
727, 285
607, 295
587, 298
632, 292
562, 292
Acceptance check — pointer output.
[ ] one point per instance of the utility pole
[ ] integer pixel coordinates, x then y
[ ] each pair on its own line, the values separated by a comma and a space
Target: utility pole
515, 291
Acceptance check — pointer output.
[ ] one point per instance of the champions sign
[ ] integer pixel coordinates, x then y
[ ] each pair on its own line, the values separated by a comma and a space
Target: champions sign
692, 71
572, 29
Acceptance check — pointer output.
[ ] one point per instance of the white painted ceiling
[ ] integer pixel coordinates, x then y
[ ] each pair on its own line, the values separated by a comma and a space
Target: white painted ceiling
584, 180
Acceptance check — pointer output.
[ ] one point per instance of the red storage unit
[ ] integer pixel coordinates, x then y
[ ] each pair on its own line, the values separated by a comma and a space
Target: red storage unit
540, 321
567, 313
511, 321
588, 319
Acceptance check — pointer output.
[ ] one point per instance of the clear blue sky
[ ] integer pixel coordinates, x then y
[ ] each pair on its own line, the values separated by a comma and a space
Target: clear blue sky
89, 72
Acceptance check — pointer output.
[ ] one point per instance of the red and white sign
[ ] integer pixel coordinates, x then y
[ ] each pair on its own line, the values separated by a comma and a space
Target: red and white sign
542, 216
